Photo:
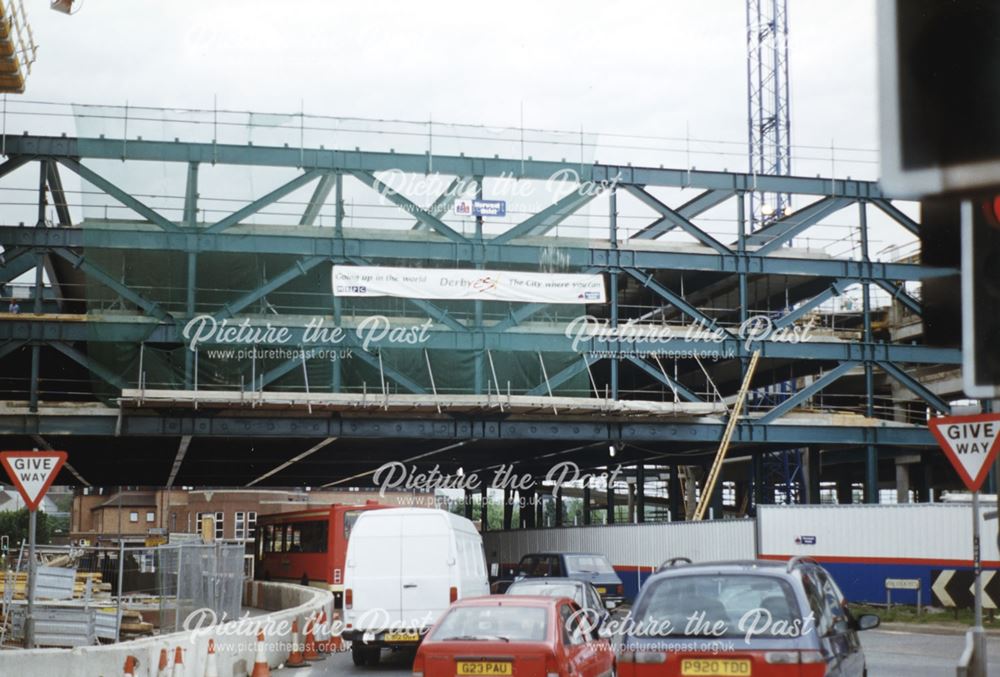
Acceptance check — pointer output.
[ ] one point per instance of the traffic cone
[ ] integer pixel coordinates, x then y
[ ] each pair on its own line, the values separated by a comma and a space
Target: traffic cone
323, 633
211, 663
295, 659
260, 666
164, 664
178, 663
336, 641
309, 651
131, 663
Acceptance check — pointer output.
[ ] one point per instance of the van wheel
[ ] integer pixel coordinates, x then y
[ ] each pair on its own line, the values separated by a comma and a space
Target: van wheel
373, 657
358, 655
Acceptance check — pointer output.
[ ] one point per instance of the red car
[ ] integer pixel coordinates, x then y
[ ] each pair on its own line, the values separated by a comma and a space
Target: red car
514, 636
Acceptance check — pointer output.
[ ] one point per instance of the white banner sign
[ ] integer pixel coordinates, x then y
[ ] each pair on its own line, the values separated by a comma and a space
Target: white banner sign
487, 285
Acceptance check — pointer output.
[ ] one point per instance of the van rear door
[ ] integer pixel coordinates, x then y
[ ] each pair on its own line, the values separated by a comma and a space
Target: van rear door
375, 562
426, 575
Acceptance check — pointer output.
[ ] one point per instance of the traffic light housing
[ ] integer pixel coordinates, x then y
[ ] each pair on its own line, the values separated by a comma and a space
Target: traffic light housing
939, 96
981, 296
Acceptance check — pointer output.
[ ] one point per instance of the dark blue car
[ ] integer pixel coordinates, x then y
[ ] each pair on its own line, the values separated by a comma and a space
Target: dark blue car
759, 618
589, 567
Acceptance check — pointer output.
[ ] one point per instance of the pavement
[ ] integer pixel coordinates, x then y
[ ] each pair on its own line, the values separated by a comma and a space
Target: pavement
891, 652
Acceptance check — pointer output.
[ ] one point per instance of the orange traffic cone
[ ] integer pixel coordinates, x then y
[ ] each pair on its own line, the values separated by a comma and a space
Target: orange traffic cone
336, 641
295, 659
309, 651
260, 666
164, 664
131, 663
323, 635
178, 663
211, 663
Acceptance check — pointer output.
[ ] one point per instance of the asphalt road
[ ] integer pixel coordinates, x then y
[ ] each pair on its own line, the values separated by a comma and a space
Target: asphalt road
890, 653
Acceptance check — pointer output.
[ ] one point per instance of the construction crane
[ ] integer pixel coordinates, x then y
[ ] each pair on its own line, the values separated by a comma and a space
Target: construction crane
17, 47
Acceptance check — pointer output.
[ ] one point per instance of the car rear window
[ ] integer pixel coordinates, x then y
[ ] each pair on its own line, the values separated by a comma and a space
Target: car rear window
549, 590
693, 605
588, 564
484, 623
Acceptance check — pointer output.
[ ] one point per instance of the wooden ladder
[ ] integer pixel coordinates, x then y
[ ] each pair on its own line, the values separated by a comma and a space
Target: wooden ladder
727, 436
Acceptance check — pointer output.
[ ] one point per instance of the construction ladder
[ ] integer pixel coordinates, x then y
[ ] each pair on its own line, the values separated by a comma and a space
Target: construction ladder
720, 456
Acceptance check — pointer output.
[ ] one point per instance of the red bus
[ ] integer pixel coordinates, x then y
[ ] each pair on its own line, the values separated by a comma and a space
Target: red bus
307, 546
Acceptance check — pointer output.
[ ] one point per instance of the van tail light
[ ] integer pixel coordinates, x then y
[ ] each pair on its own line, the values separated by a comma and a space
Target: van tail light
645, 657
620, 589
348, 598
793, 657
452, 593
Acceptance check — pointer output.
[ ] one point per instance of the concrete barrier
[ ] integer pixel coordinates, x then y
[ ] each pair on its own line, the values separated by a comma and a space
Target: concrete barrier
235, 641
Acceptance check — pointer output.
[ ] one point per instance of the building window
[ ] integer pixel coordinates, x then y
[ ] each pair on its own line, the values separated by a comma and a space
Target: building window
245, 525
150, 516
133, 517
220, 526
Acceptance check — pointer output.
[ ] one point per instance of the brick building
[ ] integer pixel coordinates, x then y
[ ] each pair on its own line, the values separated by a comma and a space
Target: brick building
135, 515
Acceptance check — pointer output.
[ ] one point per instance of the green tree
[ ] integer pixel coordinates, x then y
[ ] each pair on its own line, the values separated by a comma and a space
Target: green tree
14, 525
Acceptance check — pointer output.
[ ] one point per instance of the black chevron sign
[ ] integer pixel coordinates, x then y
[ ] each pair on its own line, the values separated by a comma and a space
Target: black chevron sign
954, 588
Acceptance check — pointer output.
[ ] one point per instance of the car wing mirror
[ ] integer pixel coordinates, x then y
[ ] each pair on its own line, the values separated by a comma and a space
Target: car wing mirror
868, 622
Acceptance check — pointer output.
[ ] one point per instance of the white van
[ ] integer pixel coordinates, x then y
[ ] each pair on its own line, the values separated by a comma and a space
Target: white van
404, 567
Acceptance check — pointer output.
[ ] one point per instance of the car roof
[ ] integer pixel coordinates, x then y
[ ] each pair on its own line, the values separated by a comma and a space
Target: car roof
510, 600
549, 580
770, 567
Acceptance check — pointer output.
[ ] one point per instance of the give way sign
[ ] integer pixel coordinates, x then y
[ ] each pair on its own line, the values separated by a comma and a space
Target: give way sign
970, 443
32, 472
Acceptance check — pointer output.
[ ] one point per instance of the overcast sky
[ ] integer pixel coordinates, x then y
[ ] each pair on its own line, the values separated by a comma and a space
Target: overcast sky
660, 67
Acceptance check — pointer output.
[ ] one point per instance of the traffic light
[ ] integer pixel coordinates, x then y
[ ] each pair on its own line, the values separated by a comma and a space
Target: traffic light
981, 296
939, 62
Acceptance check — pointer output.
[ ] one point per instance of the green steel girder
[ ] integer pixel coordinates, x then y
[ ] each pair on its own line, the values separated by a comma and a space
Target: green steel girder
471, 428
915, 387
557, 379
58, 194
191, 196
647, 280
10, 346
390, 373
299, 268
400, 200
117, 193
13, 162
678, 220
348, 160
16, 261
697, 205
318, 199
306, 242
548, 218
780, 231
801, 396
836, 289
898, 216
261, 202
686, 393
899, 294
134, 329
94, 367
97, 273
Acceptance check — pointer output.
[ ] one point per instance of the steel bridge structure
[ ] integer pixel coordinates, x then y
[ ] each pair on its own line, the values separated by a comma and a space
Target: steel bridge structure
653, 398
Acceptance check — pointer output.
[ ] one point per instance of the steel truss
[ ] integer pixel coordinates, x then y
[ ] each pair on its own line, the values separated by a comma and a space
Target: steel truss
750, 254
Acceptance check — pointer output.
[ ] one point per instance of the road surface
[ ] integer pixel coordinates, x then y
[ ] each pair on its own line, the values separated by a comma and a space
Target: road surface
890, 653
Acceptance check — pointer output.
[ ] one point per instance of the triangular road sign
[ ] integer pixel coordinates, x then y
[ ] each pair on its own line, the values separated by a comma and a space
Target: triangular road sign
970, 443
33, 472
